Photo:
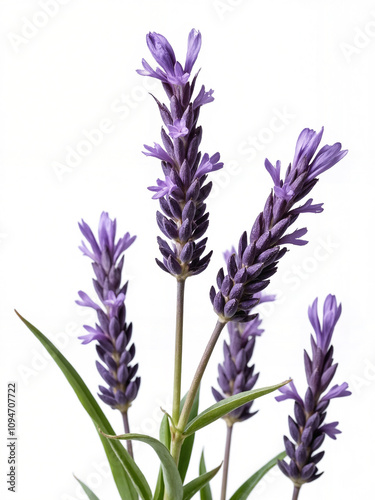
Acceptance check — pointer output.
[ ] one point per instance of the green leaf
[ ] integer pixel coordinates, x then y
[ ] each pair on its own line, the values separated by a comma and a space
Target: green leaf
165, 432
225, 406
87, 490
123, 467
165, 438
172, 480
198, 483
187, 446
244, 491
205, 492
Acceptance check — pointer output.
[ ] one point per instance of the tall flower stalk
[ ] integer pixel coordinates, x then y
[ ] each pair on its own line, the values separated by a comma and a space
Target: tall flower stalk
112, 333
183, 189
308, 428
237, 374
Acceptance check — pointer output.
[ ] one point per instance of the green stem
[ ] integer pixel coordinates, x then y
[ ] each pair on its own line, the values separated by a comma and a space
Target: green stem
127, 431
178, 350
296, 492
177, 437
226, 462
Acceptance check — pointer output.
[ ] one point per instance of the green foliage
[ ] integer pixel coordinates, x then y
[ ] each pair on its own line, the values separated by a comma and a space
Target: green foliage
205, 492
247, 487
87, 490
172, 480
128, 477
225, 406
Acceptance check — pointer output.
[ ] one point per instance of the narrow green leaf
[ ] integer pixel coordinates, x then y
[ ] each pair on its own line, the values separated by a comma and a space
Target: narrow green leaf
123, 482
244, 491
225, 406
87, 490
198, 483
187, 446
165, 432
205, 492
172, 480
123, 467
165, 438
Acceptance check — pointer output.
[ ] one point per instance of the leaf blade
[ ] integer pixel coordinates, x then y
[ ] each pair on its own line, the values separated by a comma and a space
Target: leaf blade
225, 406
87, 490
187, 446
165, 438
205, 492
247, 487
191, 488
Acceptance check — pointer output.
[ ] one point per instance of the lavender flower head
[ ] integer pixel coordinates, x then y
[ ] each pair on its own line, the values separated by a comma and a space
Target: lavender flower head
111, 332
309, 429
181, 193
236, 374
257, 257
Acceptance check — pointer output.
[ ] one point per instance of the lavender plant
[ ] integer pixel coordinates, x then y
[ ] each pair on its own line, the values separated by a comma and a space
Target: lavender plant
308, 430
183, 221
182, 192
112, 333
236, 373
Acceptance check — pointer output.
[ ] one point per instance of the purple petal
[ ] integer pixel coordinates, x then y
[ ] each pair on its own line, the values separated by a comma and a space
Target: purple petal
289, 391
330, 429
337, 391
203, 97
194, 45
293, 238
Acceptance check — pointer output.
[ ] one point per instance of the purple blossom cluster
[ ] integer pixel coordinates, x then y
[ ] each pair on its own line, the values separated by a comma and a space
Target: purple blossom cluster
236, 373
258, 255
181, 193
111, 332
308, 429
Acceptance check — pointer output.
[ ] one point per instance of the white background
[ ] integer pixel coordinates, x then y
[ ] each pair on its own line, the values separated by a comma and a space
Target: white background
67, 71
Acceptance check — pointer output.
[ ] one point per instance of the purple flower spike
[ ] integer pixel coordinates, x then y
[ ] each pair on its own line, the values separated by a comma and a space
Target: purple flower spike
112, 332
236, 373
259, 253
183, 189
307, 430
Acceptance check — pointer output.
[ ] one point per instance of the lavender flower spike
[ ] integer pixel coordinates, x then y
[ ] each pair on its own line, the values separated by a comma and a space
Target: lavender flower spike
181, 193
111, 332
308, 429
257, 257
236, 374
